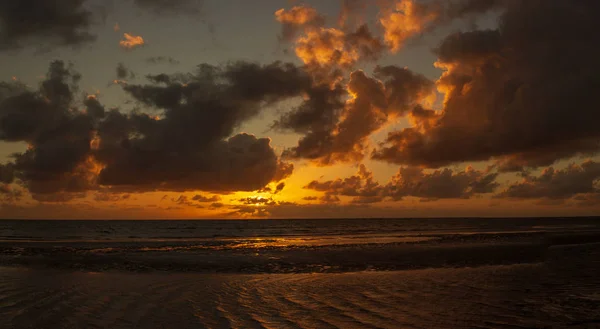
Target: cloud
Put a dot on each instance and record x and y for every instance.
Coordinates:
(350, 12)
(403, 20)
(406, 19)
(123, 72)
(8, 194)
(45, 23)
(331, 47)
(183, 200)
(110, 197)
(7, 174)
(190, 146)
(162, 60)
(131, 41)
(338, 115)
(279, 187)
(59, 137)
(258, 200)
(440, 184)
(329, 198)
(359, 186)
(241, 163)
(577, 182)
(408, 182)
(246, 211)
(187, 144)
(293, 210)
(205, 199)
(326, 50)
(337, 131)
(216, 205)
(521, 94)
(295, 20)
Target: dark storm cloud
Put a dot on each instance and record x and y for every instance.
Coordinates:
(45, 23)
(522, 94)
(189, 146)
(580, 182)
(242, 162)
(317, 114)
(186, 144)
(123, 72)
(25, 115)
(94, 108)
(440, 184)
(337, 131)
(58, 134)
(7, 174)
(410, 182)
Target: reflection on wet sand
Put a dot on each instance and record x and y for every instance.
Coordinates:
(561, 292)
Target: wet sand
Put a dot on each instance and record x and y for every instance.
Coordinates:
(561, 291)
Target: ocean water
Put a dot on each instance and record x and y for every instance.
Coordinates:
(405, 273)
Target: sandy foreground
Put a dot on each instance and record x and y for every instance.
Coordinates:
(561, 292)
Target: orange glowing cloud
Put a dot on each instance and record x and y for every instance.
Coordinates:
(296, 19)
(332, 47)
(95, 143)
(325, 46)
(298, 15)
(131, 41)
(406, 20)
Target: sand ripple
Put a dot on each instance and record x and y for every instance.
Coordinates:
(559, 293)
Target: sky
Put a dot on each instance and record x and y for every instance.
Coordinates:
(183, 109)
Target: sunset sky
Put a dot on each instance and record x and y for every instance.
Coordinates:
(290, 109)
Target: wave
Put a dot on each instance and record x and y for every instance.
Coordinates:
(294, 255)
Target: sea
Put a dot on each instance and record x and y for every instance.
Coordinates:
(317, 273)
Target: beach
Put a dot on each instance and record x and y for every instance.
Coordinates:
(536, 278)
